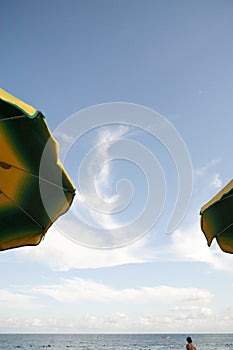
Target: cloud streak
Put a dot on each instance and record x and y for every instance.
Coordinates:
(61, 254)
(190, 245)
(76, 290)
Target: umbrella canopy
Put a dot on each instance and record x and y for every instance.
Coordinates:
(217, 218)
(24, 215)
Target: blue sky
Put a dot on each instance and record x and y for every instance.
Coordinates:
(175, 58)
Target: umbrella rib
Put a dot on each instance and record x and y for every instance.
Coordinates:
(226, 228)
(21, 208)
(8, 166)
(12, 118)
(222, 199)
(49, 182)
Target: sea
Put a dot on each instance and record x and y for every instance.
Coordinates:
(114, 341)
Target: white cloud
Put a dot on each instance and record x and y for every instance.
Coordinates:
(96, 201)
(76, 290)
(117, 322)
(203, 170)
(185, 244)
(202, 320)
(26, 324)
(62, 254)
(168, 308)
(192, 311)
(207, 180)
(190, 245)
(14, 300)
(63, 137)
(216, 182)
(99, 164)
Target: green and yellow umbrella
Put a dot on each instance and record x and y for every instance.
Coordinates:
(217, 219)
(24, 140)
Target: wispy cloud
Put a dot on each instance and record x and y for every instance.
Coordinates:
(62, 254)
(185, 244)
(207, 179)
(98, 204)
(76, 290)
(63, 137)
(96, 179)
(143, 309)
(185, 321)
(216, 182)
(15, 300)
(203, 170)
(190, 245)
(101, 159)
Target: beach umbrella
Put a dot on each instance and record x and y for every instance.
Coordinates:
(26, 215)
(217, 219)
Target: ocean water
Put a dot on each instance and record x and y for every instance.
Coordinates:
(114, 341)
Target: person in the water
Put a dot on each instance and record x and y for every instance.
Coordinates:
(190, 345)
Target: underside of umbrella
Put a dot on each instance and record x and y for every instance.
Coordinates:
(24, 215)
(217, 219)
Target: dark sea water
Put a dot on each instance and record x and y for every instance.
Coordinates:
(114, 341)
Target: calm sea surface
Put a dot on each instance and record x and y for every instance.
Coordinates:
(114, 341)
